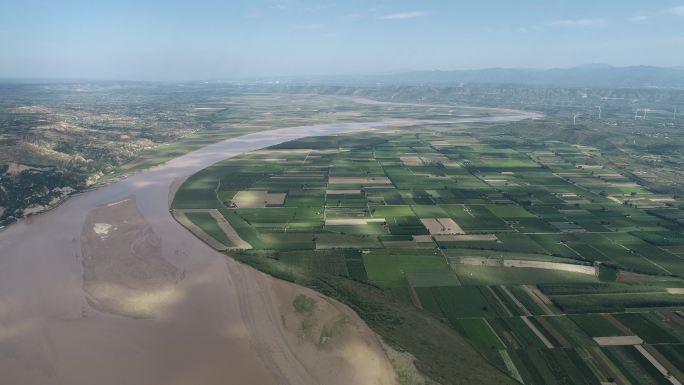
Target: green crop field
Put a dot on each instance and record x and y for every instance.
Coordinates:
(478, 331)
(520, 254)
(595, 325)
(389, 268)
(207, 223)
(650, 331)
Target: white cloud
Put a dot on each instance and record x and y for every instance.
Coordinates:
(313, 26)
(280, 5)
(674, 11)
(575, 23)
(252, 15)
(404, 15)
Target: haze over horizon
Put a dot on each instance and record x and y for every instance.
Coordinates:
(179, 40)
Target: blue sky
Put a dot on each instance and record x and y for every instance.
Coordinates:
(206, 39)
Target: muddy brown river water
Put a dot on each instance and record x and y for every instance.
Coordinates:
(88, 296)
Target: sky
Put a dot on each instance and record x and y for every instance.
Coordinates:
(207, 39)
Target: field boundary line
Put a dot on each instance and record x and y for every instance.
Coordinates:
(671, 368)
(614, 321)
(606, 365)
(553, 332)
(228, 229)
(536, 331)
(516, 301)
(543, 303)
(510, 365)
(197, 231)
(414, 297)
(657, 365)
(493, 331)
(500, 301)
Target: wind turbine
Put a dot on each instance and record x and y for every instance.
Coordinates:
(599, 109)
(674, 115)
(574, 118)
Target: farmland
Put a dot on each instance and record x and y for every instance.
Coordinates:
(59, 139)
(525, 252)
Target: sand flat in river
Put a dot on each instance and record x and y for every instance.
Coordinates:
(124, 271)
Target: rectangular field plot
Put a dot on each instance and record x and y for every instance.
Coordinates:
(556, 244)
(454, 302)
(478, 331)
(497, 163)
(618, 341)
(287, 241)
(515, 333)
(634, 366)
(616, 302)
(531, 304)
(649, 331)
(553, 366)
(388, 268)
(429, 211)
(494, 275)
(346, 241)
(441, 226)
(674, 353)
(257, 199)
(430, 279)
(207, 223)
(509, 211)
(359, 180)
(596, 325)
(532, 225)
(574, 335)
(198, 192)
(393, 211)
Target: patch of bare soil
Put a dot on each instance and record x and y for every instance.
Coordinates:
(337, 345)
(466, 238)
(581, 269)
(441, 226)
(411, 161)
(15, 168)
(257, 199)
(124, 271)
(405, 368)
(343, 192)
(618, 340)
(321, 340)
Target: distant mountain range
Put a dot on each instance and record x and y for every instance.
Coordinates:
(591, 75)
